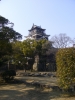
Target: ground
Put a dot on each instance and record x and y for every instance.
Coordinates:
(23, 91)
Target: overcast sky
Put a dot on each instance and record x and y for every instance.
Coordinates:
(56, 16)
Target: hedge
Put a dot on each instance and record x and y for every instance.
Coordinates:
(65, 61)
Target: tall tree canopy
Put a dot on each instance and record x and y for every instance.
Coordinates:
(31, 47)
(7, 35)
(7, 32)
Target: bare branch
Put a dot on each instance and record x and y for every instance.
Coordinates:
(61, 41)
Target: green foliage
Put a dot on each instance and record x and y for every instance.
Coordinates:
(7, 32)
(32, 47)
(65, 60)
(28, 48)
(7, 35)
(5, 51)
(5, 48)
(3, 20)
(18, 56)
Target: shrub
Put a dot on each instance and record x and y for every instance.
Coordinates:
(8, 75)
(65, 61)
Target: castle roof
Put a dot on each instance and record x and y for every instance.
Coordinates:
(36, 32)
(36, 27)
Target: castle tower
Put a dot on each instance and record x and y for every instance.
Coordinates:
(36, 33)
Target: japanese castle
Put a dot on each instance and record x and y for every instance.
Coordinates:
(36, 33)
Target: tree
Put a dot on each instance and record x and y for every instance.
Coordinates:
(7, 32)
(73, 42)
(5, 51)
(46, 46)
(17, 52)
(7, 35)
(18, 56)
(42, 46)
(65, 60)
(31, 48)
(61, 41)
(28, 48)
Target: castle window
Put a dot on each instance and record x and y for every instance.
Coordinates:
(34, 30)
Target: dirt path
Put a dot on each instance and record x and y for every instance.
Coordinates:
(24, 92)
(42, 80)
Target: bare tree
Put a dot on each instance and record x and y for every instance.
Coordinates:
(61, 41)
(73, 42)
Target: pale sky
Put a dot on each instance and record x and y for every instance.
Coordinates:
(56, 16)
